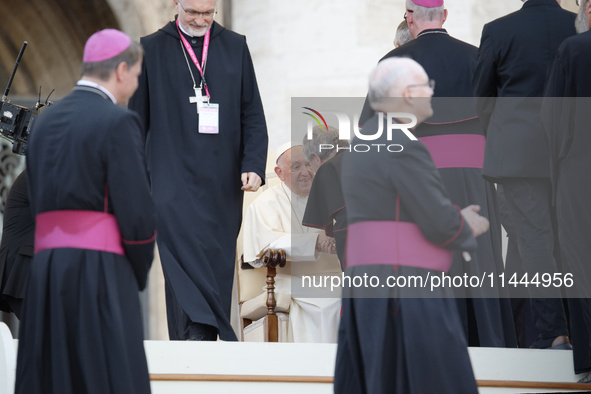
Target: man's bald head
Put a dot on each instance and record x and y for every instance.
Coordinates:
(391, 77)
(400, 85)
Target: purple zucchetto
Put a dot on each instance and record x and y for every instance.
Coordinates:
(105, 44)
(428, 3)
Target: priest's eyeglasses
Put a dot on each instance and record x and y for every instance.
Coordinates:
(430, 84)
(407, 12)
(196, 14)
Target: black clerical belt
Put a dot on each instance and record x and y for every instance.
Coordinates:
(77, 229)
(383, 242)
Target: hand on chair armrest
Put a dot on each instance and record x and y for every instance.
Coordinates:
(271, 258)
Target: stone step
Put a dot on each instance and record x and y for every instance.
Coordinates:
(179, 367)
(226, 367)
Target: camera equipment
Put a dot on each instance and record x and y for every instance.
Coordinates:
(16, 120)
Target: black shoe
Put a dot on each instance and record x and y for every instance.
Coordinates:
(586, 379)
(202, 332)
(561, 342)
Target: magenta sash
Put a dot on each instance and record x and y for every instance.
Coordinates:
(394, 243)
(456, 150)
(77, 229)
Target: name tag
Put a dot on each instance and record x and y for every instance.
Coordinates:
(209, 118)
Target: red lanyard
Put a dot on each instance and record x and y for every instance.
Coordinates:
(200, 67)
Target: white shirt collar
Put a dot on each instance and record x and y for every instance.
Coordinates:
(183, 30)
(84, 82)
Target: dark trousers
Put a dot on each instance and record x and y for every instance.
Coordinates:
(522, 313)
(529, 202)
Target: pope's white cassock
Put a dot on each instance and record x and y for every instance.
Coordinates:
(273, 221)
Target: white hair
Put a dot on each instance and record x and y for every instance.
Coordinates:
(425, 13)
(322, 137)
(388, 78)
(402, 34)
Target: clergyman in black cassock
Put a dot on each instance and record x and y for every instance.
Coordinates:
(567, 120)
(509, 80)
(326, 205)
(397, 210)
(195, 177)
(16, 249)
(455, 139)
(81, 330)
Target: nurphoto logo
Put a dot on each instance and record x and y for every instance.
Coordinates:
(345, 127)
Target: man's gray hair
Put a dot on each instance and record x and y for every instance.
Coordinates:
(425, 13)
(103, 70)
(387, 79)
(323, 137)
(581, 23)
(402, 34)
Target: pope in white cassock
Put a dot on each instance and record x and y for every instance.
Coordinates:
(274, 220)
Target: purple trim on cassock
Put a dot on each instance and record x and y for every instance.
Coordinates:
(78, 229)
(456, 150)
(394, 243)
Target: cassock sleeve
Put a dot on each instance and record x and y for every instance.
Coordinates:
(325, 200)
(424, 198)
(129, 193)
(252, 118)
(485, 78)
(264, 227)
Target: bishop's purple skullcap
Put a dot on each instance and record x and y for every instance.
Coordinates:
(105, 44)
(428, 3)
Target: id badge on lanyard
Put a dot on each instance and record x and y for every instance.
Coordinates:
(209, 116)
(208, 113)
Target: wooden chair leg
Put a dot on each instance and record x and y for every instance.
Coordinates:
(272, 334)
(272, 258)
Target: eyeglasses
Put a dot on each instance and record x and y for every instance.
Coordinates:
(430, 84)
(407, 12)
(195, 14)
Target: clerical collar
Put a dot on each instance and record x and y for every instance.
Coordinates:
(84, 82)
(432, 31)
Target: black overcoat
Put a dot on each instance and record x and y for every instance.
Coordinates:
(566, 118)
(16, 249)
(510, 76)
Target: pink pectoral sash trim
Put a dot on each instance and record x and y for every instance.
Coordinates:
(78, 229)
(456, 150)
(394, 243)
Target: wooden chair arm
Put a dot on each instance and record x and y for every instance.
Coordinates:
(271, 259)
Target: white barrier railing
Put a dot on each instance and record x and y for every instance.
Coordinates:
(7, 360)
